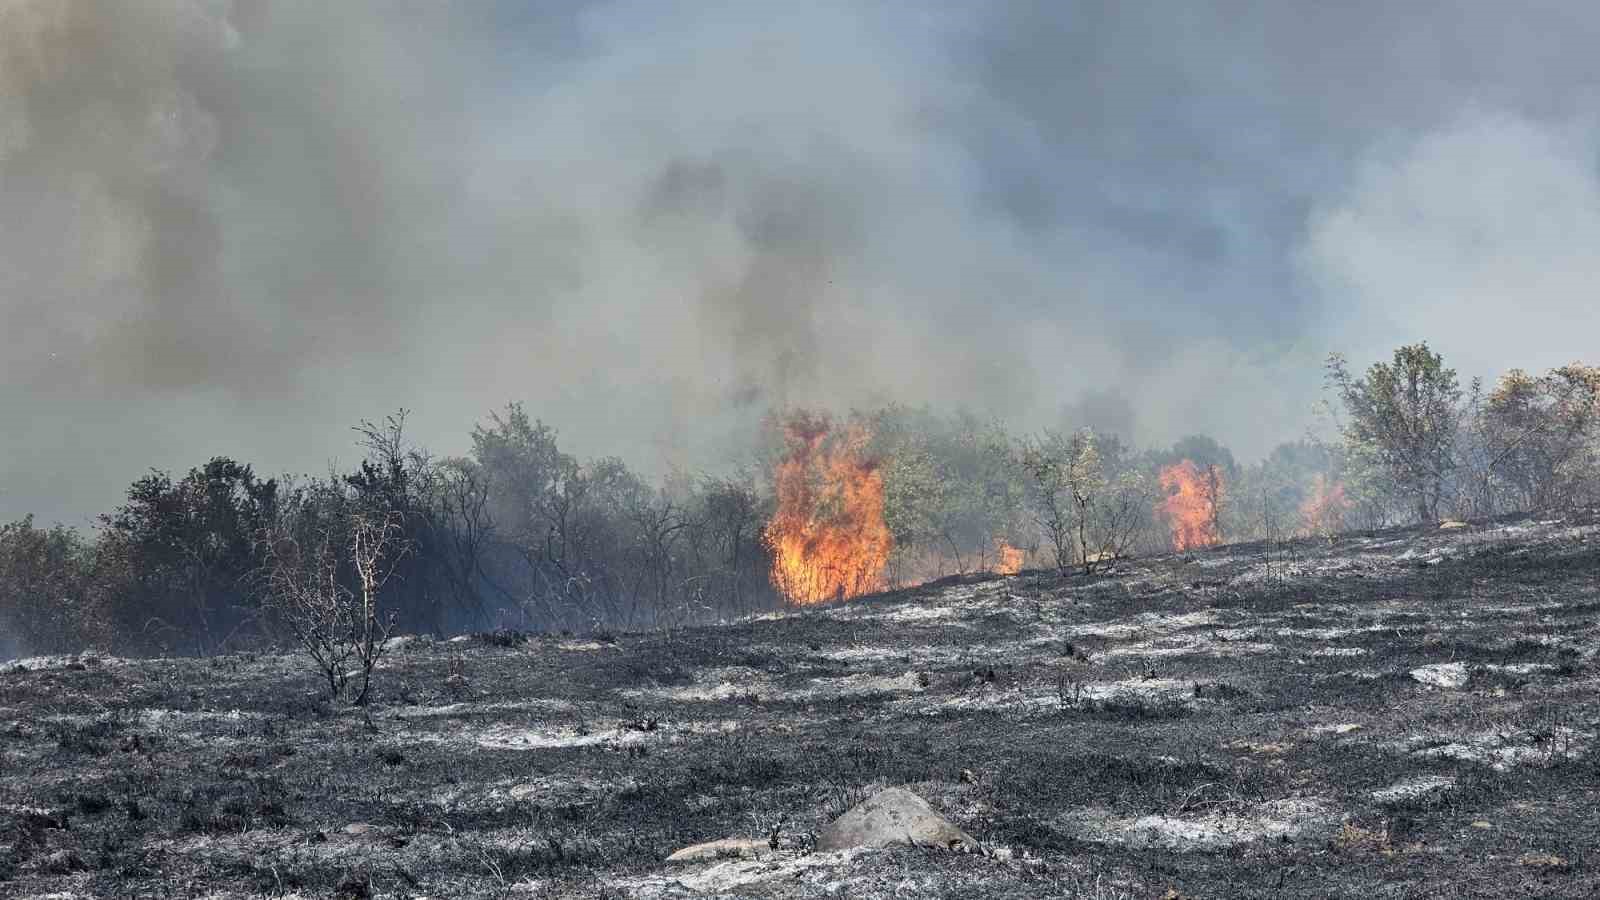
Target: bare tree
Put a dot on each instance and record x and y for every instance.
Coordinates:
(300, 576)
(337, 618)
(377, 545)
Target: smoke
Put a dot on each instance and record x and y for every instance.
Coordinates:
(236, 228)
(1479, 236)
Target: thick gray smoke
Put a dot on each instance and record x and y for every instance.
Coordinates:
(236, 228)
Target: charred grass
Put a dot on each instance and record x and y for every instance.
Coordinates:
(556, 766)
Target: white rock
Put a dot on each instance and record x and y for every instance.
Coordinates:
(893, 816)
(726, 848)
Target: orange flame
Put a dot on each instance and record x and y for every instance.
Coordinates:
(827, 536)
(1010, 559)
(1324, 509)
(1191, 505)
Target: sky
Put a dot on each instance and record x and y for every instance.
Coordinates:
(238, 228)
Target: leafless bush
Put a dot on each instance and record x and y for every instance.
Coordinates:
(325, 581)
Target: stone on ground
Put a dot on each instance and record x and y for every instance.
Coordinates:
(727, 848)
(893, 816)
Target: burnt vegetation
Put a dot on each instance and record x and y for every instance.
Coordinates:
(1183, 723)
(1364, 664)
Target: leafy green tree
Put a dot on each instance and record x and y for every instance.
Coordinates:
(1402, 417)
(177, 556)
(1541, 434)
(1089, 512)
(47, 601)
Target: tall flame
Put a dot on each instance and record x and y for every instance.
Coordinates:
(1010, 559)
(827, 535)
(1323, 512)
(1193, 497)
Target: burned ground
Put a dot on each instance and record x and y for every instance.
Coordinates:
(1405, 714)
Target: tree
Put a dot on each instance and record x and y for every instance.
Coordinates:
(1089, 515)
(1540, 434)
(323, 573)
(1402, 417)
(176, 554)
(730, 517)
(47, 604)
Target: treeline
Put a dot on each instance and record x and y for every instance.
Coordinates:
(520, 534)
(1401, 443)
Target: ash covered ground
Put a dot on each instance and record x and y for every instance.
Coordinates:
(1404, 714)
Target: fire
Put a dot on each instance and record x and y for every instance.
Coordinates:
(827, 536)
(1323, 511)
(1193, 496)
(1009, 561)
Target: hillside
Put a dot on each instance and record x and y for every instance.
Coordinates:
(1405, 714)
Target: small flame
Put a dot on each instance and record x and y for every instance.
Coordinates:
(1322, 513)
(1193, 496)
(1009, 561)
(828, 537)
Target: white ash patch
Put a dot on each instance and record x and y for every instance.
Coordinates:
(59, 662)
(824, 872)
(1442, 675)
(912, 612)
(854, 685)
(1155, 623)
(1325, 634)
(1505, 749)
(727, 690)
(1430, 556)
(1144, 688)
(1218, 830)
(1358, 674)
(541, 706)
(1130, 690)
(609, 734)
(159, 717)
(575, 646)
(991, 697)
(1260, 573)
(557, 789)
(1414, 788)
(1337, 728)
(406, 641)
(1217, 562)
(569, 790)
(730, 685)
(1381, 544)
(716, 683)
(1340, 651)
(1520, 668)
(1189, 645)
(886, 655)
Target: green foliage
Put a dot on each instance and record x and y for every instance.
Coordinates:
(1090, 507)
(47, 599)
(521, 534)
(1541, 437)
(1402, 419)
(176, 556)
(951, 492)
